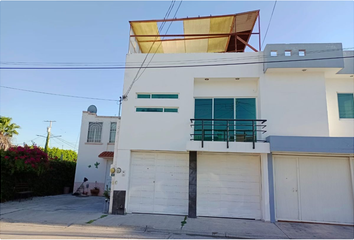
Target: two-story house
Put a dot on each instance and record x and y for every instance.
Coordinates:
(96, 150)
(212, 130)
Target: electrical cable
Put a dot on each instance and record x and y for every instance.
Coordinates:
(57, 94)
(134, 81)
(270, 20)
(160, 29)
(176, 61)
(172, 66)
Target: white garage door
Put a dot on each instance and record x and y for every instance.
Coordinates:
(159, 183)
(228, 185)
(313, 189)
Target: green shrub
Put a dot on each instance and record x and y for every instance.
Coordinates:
(31, 165)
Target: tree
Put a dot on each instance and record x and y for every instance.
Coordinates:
(7, 130)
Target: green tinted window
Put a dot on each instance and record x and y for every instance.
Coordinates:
(245, 109)
(143, 95)
(203, 110)
(346, 105)
(223, 109)
(149, 109)
(172, 96)
(171, 110)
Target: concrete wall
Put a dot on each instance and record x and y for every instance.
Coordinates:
(313, 51)
(348, 63)
(88, 152)
(338, 127)
(294, 104)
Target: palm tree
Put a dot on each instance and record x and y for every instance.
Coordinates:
(7, 130)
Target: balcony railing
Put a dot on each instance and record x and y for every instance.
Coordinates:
(228, 130)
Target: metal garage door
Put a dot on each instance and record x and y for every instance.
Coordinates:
(313, 189)
(228, 185)
(159, 183)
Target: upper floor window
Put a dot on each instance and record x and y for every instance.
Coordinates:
(302, 53)
(161, 96)
(112, 132)
(287, 53)
(94, 132)
(346, 105)
(273, 53)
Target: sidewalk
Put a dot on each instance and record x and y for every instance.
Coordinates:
(69, 212)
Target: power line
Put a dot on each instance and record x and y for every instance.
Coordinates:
(160, 29)
(270, 20)
(130, 87)
(168, 66)
(58, 94)
(176, 61)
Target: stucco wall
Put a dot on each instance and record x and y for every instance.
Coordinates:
(294, 104)
(88, 152)
(338, 127)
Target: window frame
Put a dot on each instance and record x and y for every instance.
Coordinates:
(302, 50)
(235, 117)
(97, 131)
(111, 132)
(339, 115)
(274, 51)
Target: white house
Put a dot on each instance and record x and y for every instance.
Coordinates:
(96, 150)
(212, 130)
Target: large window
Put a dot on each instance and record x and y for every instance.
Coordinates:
(112, 132)
(224, 108)
(346, 105)
(94, 132)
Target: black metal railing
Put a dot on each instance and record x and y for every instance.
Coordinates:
(227, 130)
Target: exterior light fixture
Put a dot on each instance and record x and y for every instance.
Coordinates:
(304, 70)
(206, 79)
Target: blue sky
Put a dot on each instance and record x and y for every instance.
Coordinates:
(97, 32)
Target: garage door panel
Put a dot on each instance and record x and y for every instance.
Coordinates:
(314, 189)
(159, 180)
(228, 186)
(326, 193)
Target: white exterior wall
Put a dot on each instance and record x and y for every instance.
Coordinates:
(294, 103)
(338, 127)
(88, 152)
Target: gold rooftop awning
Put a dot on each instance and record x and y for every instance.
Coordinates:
(226, 33)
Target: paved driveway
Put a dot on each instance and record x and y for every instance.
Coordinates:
(68, 213)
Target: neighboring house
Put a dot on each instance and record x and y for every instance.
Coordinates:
(249, 139)
(97, 139)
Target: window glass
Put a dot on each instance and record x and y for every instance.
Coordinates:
(174, 96)
(273, 53)
(223, 109)
(346, 105)
(287, 53)
(143, 95)
(94, 132)
(302, 53)
(112, 133)
(149, 109)
(245, 109)
(203, 110)
(171, 110)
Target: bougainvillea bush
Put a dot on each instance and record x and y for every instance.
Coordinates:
(31, 165)
(26, 159)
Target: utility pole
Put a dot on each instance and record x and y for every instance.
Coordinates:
(48, 135)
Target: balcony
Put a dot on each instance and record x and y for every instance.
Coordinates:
(237, 133)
